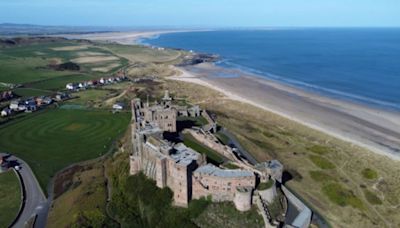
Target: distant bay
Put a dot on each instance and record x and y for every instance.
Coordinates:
(358, 64)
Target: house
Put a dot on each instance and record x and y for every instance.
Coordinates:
(30, 107)
(6, 112)
(15, 104)
(62, 96)
(71, 86)
(47, 100)
(118, 106)
(102, 81)
(6, 95)
(39, 100)
(21, 107)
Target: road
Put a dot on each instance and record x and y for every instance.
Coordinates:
(35, 202)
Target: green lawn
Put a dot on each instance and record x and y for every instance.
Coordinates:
(54, 139)
(10, 197)
(29, 63)
(31, 92)
(213, 156)
(89, 96)
(60, 82)
(223, 138)
(198, 121)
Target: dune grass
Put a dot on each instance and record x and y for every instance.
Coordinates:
(342, 196)
(369, 174)
(321, 162)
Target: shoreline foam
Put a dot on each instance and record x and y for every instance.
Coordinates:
(358, 124)
(376, 130)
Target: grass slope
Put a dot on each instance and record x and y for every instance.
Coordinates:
(54, 139)
(10, 197)
(212, 155)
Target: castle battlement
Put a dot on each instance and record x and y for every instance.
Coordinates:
(179, 167)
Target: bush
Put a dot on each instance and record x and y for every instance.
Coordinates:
(138, 202)
(321, 162)
(369, 174)
(372, 198)
(342, 196)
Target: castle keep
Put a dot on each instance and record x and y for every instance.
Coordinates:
(186, 171)
(176, 166)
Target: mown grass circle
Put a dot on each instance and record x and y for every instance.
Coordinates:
(54, 139)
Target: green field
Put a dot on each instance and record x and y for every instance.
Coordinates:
(10, 197)
(31, 92)
(51, 140)
(29, 65)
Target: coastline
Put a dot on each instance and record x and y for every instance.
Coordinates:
(126, 38)
(374, 129)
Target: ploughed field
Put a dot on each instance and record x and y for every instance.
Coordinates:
(10, 197)
(51, 140)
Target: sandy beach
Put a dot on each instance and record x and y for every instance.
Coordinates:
(376, 130)
(122, 37)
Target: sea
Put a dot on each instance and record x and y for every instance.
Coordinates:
(355, 64)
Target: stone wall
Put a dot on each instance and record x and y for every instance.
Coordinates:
(303, 219)
(219, 188)
(212, 142)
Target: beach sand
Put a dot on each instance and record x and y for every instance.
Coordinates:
(376, 130)
(121, 37)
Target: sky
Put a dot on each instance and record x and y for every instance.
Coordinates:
(203, 13)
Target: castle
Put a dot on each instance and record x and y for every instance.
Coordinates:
(182, 169)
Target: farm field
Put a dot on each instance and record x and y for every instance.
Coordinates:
(53, 139)
(30, 64)
(10, 197)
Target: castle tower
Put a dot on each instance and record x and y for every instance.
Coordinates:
(268, 194)
(166, 99)
(242, 199)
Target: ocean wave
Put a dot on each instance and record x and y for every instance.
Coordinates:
(226, 63)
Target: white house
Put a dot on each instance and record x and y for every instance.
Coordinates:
(118, 106)
(14, 104)
(6, 112)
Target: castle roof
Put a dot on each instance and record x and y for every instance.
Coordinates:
(213, 170)
(184, 155)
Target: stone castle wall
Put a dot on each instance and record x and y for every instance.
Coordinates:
(212, 142)
(219, 188)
